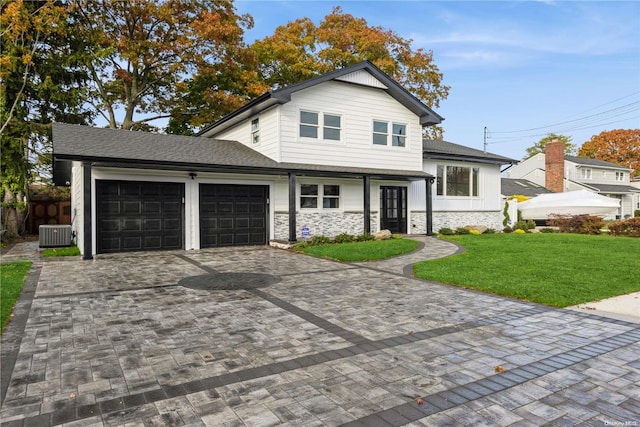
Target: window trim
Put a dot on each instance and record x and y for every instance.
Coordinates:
(586, 173)
(389, 134)
(475, 187)
(255, 131)
(320, 197)
(321, 126)
(619, 176)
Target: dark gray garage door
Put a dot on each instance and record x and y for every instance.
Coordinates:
(139, 216)
(233, 215)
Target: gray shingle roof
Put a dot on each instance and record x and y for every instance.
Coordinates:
(283, 95)
(612, 188)
(593, 162)
(122, 148)
(511, 186)
(436, 149)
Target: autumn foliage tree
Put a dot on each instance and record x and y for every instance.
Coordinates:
(301, 50)
(140, 52)
(620, 146)
(539, 147)
(39, 82)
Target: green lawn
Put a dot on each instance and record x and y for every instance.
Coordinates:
(553, 269)
(363, 251)
(12, 276)
(57, 252)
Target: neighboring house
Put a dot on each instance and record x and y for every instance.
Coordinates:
(467, 190)
(559, 173)
(333, 154)
(524, 187)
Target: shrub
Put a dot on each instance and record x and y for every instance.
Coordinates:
(462, 230)
(636, 213)
(531, 224)
(547, 230)
(520, 231)
(505, 213)
(581, 224)
(344, 238)
(446, 232)
(507, 230)
(489, 231)
(522, 225)
(319, 240)
(628, 227)
(364, 237)
(475, 232)
(300, 246)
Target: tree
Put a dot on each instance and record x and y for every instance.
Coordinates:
(301, 50)
(620, 146)
(38, 83)
(140, 52)
(539, 147)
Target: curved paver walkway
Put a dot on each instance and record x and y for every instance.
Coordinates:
(118, 341)
(430, 248)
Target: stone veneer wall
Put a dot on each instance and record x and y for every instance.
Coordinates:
(454, 219)
(328, 224)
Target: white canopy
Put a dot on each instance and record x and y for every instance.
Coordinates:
(569, 203)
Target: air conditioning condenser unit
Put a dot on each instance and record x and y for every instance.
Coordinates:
(52, 236)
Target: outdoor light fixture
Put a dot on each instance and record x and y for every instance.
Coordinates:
(193, 175)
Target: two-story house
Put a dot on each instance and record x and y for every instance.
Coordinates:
(333, 154)
(559, 173)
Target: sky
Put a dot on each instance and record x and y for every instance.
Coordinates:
(522, 69)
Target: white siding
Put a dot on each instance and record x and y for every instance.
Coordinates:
(77, 204)
(358, 106)
(489, 191)
(269, 137)
(362, 77)
(526, 167)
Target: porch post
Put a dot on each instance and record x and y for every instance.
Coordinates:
(367, 204)
(292, 207)
(87, 231)
(428, 182)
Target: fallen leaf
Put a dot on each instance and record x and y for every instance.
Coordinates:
(499, 369)
(419, 401)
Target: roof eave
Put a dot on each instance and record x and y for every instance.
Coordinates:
(445, 156)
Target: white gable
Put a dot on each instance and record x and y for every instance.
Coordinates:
(362, 77)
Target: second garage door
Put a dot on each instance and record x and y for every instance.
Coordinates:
(233, 215)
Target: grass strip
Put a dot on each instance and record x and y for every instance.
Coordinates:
(559, 270)
(363, 251)
(57, 252)
(12, 278)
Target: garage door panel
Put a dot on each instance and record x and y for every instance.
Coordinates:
(227, 215)
(130, 207)
(134, 216)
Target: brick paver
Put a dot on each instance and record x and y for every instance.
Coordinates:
(119, 341)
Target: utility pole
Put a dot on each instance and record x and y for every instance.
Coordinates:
(485, 140)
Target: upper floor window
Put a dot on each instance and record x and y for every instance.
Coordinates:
(318, 196)
(311, 123)
(585, 173)
(458, 181)
(255, 131)
(620, 176)
(389, 134)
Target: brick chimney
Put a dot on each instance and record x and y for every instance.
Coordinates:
(554, 166)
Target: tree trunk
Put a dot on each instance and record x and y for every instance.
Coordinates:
(10, 221)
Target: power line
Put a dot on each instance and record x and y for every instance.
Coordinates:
(630, 107)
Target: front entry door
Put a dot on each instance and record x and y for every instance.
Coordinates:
(393, 209)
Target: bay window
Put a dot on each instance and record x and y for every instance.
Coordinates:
(457, 181)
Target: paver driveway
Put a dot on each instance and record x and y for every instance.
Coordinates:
(261, 336)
